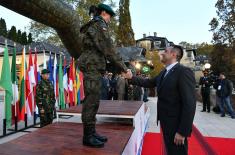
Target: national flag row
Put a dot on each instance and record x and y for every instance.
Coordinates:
(67, 81)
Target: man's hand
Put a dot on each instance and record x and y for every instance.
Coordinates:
(179, 139)
(128, 75)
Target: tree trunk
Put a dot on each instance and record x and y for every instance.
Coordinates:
(53, 13)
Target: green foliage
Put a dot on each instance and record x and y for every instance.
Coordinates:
(42, 32)
(125, 31)
(30, 39)
(19, 36)
(204, 49)
(24, 40)
(12, 35)
(222, 59)
(154, 57)
(3, 28)
(223, 27)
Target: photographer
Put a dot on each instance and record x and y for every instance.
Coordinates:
(224, 91)
(205, 83)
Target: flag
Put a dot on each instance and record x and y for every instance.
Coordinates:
(14, 81)
(37, 78)
(65, 81)
(36, 68)
(61, 87)
(55, 80)
(44, 60)
(82, 94)
(50, 69)
(70, 84)
(22, 88)
(6, 84)
(78, 84)
(30, 83)
(74, 84)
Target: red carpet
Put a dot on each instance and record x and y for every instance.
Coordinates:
(152, 144)
(221, 146)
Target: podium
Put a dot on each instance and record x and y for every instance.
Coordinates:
(66, 137)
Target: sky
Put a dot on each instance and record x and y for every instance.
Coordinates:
(177, 20)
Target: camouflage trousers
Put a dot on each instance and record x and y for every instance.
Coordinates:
(91, 102)
(46, 118)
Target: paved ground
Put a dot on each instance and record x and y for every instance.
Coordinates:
(210, 124)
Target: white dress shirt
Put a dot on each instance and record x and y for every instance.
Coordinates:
(169, 67)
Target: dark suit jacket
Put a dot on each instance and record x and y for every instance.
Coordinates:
(176, 99)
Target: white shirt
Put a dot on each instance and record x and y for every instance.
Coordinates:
(169, 67)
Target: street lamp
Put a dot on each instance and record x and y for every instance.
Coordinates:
(137, 66)
(207, 66)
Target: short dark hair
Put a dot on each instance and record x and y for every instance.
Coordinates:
(179, 51)
(222, 73)
(94, 10)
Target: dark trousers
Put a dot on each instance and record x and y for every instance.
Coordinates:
(169, 127)
(90, 105)
(173, 149)
(46, 118)
(206, 99)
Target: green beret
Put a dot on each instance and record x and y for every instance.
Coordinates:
(45, 71)
(106, 8)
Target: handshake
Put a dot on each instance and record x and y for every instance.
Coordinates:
(128, 74)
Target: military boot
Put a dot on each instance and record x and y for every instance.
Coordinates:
(90, 140)
(99, 137)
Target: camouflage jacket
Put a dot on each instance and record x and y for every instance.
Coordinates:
(97, 47)
(45, 96)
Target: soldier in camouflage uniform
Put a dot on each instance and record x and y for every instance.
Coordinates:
(45, 99)
(97, 47)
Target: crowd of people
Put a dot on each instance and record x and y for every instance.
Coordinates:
(116, 87)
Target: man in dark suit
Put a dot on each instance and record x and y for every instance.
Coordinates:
(176, 99)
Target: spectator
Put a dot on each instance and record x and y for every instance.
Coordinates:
(120, 87)
(224, 91)
(105, 86)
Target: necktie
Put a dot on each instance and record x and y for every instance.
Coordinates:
(163, 75)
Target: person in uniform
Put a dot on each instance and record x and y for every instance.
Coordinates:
(45, 99)
(131, 89)
(97, 47)
(205, 83)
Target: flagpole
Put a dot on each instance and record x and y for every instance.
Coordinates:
(14, 97)
(4, 108)
(59, 86)
(25, 110)
(35, 106)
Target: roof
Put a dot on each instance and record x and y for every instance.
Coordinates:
(128, 53)
(163, 41)
(40, 46)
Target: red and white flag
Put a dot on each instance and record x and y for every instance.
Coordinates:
(30, 83)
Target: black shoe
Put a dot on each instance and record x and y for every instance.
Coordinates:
(233, 117)
(100, 138)
(92, 142)
(208, 111)
(203, 110)
(223, 115)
